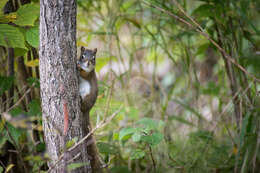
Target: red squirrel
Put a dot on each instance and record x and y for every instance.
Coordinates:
(88, 89)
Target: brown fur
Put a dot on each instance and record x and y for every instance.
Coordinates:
(86, 105)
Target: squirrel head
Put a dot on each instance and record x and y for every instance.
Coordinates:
(87, 59)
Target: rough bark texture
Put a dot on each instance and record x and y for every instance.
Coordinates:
(59, 82)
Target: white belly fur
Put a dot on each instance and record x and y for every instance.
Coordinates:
(84, 87)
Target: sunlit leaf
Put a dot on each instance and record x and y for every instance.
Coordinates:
(9, 167)
(2, 4)
(11, 36)
(116, 136)
(27, 14)
(153, 139)
(151, 124)
(137, 136)
(32, 63)
(71, 142)
(32, 36)
(6, 18)
(125, 132)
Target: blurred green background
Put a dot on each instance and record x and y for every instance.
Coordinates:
(185, 106)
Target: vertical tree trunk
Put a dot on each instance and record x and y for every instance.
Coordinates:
(59, 82)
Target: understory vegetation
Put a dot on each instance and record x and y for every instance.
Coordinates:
(183, 78)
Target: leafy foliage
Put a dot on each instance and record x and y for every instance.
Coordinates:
(11, 36)
(185, 107)
(27, 14)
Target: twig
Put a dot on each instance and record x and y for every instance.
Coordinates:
(199, 29)
(100, 125)
(220, 117)
(151, 153)
(18, 102)
(9, 134)
(7, 101)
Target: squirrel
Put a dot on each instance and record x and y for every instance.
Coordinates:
(88, 89)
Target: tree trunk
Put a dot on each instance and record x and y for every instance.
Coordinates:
(59, 84)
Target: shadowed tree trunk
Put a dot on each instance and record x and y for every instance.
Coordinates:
(59, 84)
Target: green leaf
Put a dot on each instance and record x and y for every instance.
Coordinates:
(33, 81)
(204, 10)
(74, 166)
(40, 147)
(20, 52)
(126, 132)
(5, 83)
(9, 167)
(17, 111)
(116, 136)
(11, 36)
(151, 124)
(34, 107)
(15, 133)
(107, 148)
(2, 5)
(137, 136)
(202, 48)
(6, 18)
(133, 21)
(1, 169)
(153, 139)
(71, 142)
(137, 154)
(34, 158)
(32, 63)
(32, 36)
(2, 142)
(27, 14)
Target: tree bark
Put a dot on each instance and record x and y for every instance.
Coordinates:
(59, 84)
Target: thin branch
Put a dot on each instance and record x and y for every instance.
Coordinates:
(18, 102)
(7, 101)
(151, 153)
(199, 29)
(98, 126)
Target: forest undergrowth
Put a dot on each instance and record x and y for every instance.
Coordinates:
(182, 76)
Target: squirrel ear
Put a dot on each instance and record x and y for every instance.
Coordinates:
(95, 50)
(82, 49)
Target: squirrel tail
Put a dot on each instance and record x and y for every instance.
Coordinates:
(92, 150)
